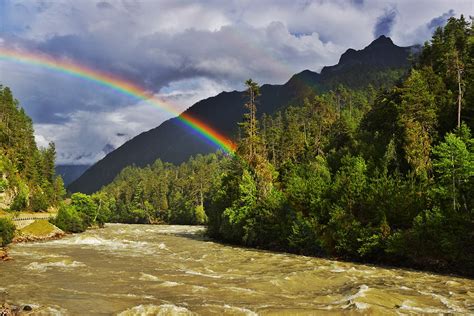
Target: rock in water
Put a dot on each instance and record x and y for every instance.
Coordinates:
(8, 310)
(4, 256)
(27, 308)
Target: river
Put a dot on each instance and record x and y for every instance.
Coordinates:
(169, 270)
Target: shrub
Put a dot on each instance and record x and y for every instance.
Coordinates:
(138, 216)
(69, 220)
(20, 201)
(38, 201)
(7, 230)
(201, 217)
(84, 205)
(3, 185)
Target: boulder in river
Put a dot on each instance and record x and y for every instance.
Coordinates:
(4, 255)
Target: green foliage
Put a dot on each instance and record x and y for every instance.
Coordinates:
(3, 185)
(84, 211)
(27, 173)
(454, 165)
(200, 215)
(70, 220)
(7, 231)
(138, 216)
(103, 206)
(417, 117)
(39, 200)
(85, 205)
(304, 236)
(20, 201)
(163, 192)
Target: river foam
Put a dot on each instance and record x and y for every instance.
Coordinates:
(158, 310)
(43, 267)
(109, 244)
(143, 269)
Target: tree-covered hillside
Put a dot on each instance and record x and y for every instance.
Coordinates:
(27, 176)
(381, 176)
(389, 178)
(380, 65)
(165, 193)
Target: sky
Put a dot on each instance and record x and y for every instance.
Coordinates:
(182, 51)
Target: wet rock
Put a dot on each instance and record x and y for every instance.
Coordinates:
(8, 310)
(27, 308)
(4, 255)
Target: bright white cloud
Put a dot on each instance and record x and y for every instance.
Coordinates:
(84, 136)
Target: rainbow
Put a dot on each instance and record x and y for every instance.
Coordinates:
(120, 85)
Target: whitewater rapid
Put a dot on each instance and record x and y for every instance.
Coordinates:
(175, 270)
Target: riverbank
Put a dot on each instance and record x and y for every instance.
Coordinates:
(38, 230)
(4, 255)
(7, 309)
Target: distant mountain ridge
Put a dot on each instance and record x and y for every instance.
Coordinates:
(69, 173)
(173, 142)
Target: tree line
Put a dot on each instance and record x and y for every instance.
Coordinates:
(27, 176)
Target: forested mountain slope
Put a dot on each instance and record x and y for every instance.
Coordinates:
(69, 173)
(379, 64)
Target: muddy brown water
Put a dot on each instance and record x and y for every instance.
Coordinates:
(173, 270)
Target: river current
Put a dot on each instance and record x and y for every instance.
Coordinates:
(173, 270)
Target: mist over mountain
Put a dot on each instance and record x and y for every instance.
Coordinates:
(379, 64)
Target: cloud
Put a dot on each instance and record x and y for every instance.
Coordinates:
(104, 5)
(385, 22)
(182, 51)
(440, 20)
(227, 56)
(95, 131)
(424, 31)
(184, 93)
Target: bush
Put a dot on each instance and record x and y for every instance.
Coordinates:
(201, 217)
(70, 220)
(20, 201)
(138, 216)
(3, 185)
(7, 231)
(84, 205)
(39, 201)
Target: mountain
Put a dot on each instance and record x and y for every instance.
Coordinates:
(380, 64)
(69, 173)
(108, 148)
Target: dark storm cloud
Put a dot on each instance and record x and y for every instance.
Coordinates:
(104, 5)
(426, 29)
(440, 20)
(385, 22)
(358, 2)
